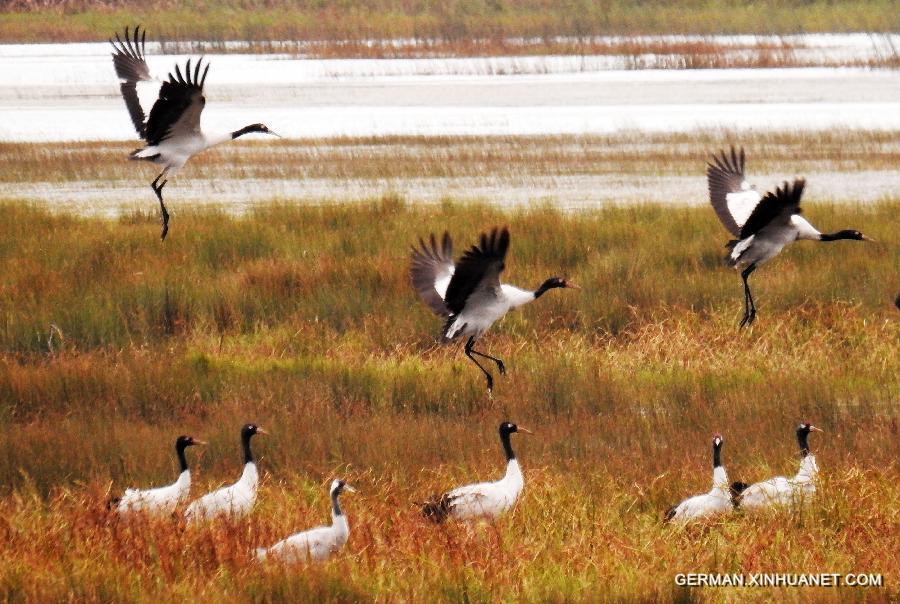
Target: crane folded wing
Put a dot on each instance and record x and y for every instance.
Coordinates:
(478, 269)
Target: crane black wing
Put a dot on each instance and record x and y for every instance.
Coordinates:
(480, 267)
(775, 206)
(431, 270)
(181, 100)
(131, 67)
(725, 177)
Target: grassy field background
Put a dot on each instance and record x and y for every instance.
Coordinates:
(300, 318)
(461, 27)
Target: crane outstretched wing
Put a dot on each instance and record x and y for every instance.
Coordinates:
(775, 207)
(730, 194)
(431, 270)
(478, 269)
(181, 101)
(131, 67)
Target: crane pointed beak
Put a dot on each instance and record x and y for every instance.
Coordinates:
(261, 431)
(868, 239)
(571, 285)
(274, 134)
(816, 429)
(347, 487)
(200, 442)
(524, 430)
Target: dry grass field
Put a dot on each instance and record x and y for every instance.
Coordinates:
(300, 318)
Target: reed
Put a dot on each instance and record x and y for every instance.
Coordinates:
(379, 28)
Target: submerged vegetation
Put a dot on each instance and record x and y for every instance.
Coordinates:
(300, 318)
(628, 154)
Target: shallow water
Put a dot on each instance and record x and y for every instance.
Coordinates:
(111, 198)
(70, 92)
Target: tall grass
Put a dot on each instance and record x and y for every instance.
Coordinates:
(301, 319)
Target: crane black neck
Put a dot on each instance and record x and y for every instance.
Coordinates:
(247, 130)
(248, 454)
(803, 440)
(507, 446)
(182, 460)
(551, 283)
(336, 504)
(845, 234)
(717, 454)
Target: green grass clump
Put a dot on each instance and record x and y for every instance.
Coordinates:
(301, 319)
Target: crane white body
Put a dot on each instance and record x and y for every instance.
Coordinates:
(716, 501)
(161, 500)
(782, 491)
(486, 307)
(234, 501)
(158, 501)
(488, 500)
(316, 544)
(761, 247)
(175, 151)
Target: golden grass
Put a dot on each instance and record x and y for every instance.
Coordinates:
(300, 318)
(594, 539)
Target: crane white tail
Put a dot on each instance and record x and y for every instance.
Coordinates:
(145, 154)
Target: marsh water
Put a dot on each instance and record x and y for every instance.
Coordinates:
(69, 92)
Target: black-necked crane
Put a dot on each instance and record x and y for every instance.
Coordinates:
(469, 293)
(316, 544)
(172, 131)
(161, 500)
(783, 491)
(763, 224)
(717, 501)
(236, 500)
(486, 500)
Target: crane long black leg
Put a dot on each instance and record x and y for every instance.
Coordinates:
(746, 304)
(500, 366)
(487, 374)
(162, 206)
(749, 305)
